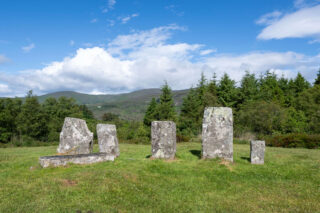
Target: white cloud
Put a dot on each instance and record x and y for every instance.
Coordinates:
(110, 6)
(144, 59)
(208, 51)
(124, 20)
(305, 3)
(299, 24)
(72, 43)
(28, 48)
(269, 18)
(3, 59)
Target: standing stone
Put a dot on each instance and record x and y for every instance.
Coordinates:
(75, 137)
(217, 133)
(257, 149)
(107, 139)
(163, 136)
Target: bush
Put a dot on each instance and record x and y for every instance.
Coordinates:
(294, 141)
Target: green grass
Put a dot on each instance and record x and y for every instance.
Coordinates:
(288, 182)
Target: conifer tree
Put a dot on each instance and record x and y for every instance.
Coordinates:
(317, 81)
(32, 121)
(150, 113)
(227, 91)
(249, 87)
(189, 116)
(165, 109)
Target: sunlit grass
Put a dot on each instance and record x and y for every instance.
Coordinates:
(288, 182)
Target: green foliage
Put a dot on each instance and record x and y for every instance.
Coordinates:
(261, 117)
(317, 81)
(109, 116)
(151, 113)
(32, 120)
(165, 109)
(294, 141)
(227, 92)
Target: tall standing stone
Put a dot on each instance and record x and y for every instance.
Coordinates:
(107, 139)
(217, 133)
(75, 137)
(257, 149)
(163, 139)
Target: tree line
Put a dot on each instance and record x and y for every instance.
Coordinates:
(264, 105)
(29, 120)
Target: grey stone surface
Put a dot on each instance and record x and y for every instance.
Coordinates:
(217, 133)
(257, 149)
(75, 137)
(107, 139)
(62, 160)
(163, 139)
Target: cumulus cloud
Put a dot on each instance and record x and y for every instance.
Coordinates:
(3, 59)
(28, 48)
(299, 24)
(144, 59)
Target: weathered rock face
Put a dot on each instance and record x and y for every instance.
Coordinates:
(257, 149)
(75, 137)
(107, 139)
(62, 160)
(217, 133)
(163, 136)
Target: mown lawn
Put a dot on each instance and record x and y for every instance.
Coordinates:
(288, 182)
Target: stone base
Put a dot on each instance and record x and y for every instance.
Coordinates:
(62, 160)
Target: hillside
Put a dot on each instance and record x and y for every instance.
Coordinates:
(130, 106)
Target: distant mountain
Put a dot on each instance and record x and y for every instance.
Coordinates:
(130, 106)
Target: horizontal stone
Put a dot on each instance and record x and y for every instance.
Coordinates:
(62, 160)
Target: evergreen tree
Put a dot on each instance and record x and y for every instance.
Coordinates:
(32, 121)
(211, 93)
(270, 89)
(150, 114)
(227, 91)
(248, 88)
(190, 121)
(300, 84)
(165, 109)
(317, 81)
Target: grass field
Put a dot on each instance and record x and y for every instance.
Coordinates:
(288, 182)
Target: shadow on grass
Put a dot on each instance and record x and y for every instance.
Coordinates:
(148, 156)
(196, 153)
(245, 158)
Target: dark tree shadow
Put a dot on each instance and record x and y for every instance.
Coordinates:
(148, 156)
(246, 158)
(196, 153)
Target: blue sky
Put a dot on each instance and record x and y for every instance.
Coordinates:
(113, 46)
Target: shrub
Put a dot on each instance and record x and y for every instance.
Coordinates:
(294, 141)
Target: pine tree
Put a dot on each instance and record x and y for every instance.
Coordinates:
(317, 81)
(165, 108)
(190, 121)
(300, 84)
(211, 95)
(249, 87)
(150, 114)
(32, 121)
(227, 91)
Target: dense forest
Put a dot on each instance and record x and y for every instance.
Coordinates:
(263, 106)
